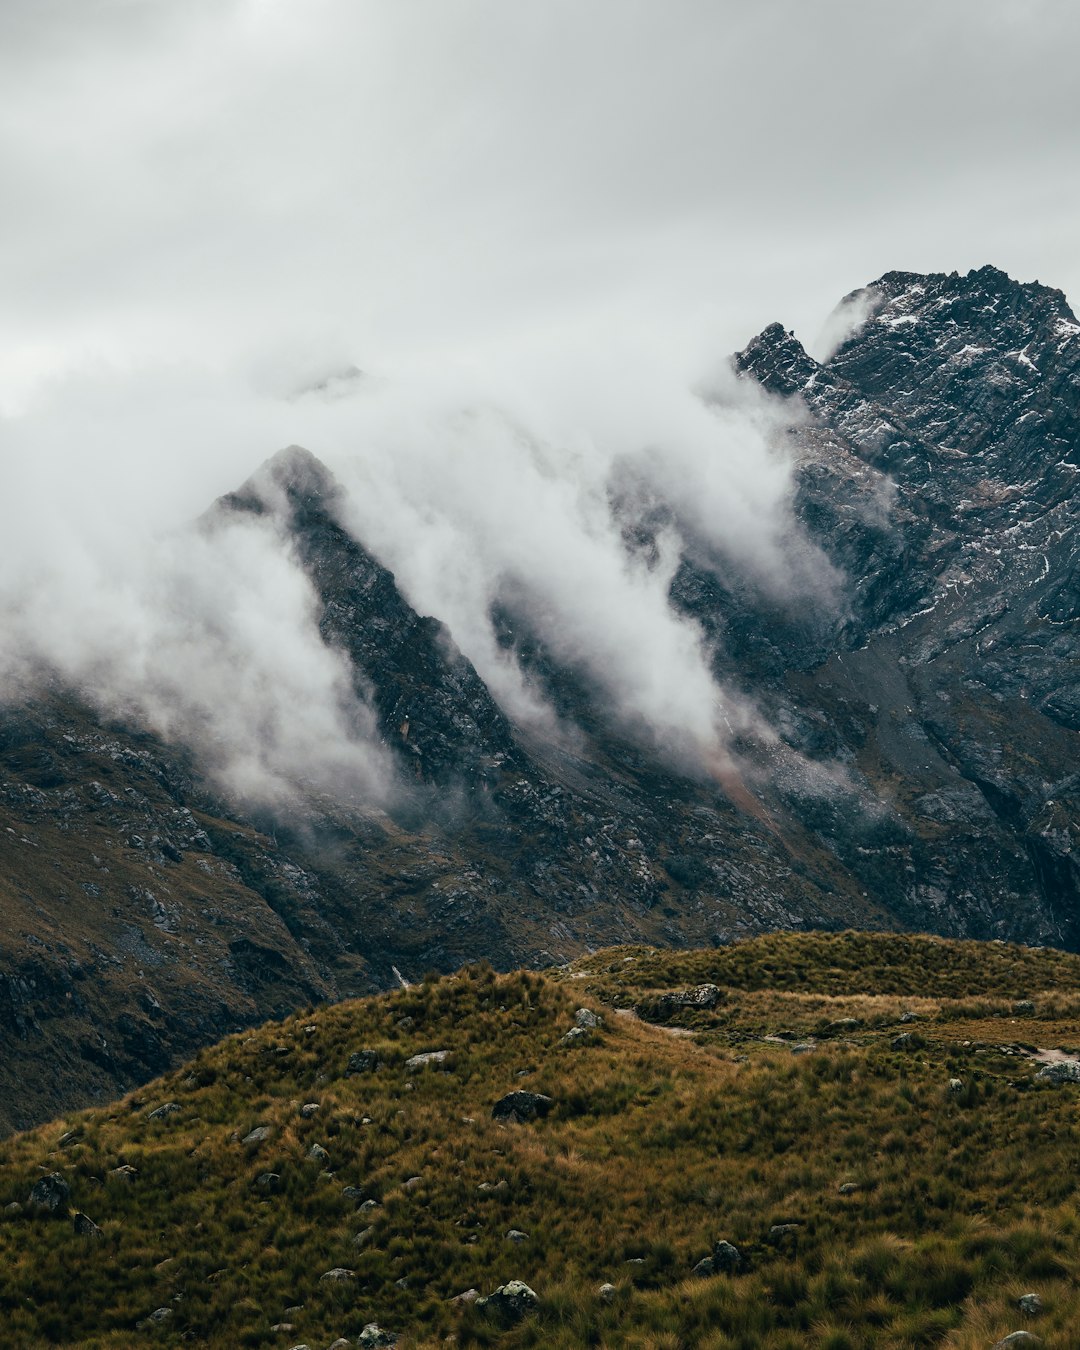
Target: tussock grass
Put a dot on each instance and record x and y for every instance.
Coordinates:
(657, 1146)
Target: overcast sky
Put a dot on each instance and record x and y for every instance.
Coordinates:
(253, 181)
(535, 225)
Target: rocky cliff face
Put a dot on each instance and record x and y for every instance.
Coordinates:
(926, 773)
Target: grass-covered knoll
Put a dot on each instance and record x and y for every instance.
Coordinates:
(956, 1200)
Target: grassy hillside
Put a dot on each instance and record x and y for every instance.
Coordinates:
(873, 1202)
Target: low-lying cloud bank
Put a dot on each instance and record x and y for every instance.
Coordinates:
(471, 484)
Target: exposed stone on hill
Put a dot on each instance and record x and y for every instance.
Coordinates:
(726, 1256)
(520, 1107)
(511, 1301)
(362, 1061)
(258, 1135)
(1030, 1304)
(163, 1111)
(1017, 1339)
(50, 1194)
(85, 1227)
(1060, 1071)
(374, 1336)
(338, 1275)
(316, 1153)
(587, 1019)
(428, 1059)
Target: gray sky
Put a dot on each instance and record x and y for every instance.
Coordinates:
(536, 226)
(229, 181)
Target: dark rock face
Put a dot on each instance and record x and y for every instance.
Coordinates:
(938, 472)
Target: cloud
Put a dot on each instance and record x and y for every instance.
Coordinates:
(535, 230)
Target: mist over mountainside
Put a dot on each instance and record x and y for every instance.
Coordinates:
(811, 663)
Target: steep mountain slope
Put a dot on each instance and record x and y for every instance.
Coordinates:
(925, 776)
(838, 1141)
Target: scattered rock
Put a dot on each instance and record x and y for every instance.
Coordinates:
(1015, 1339)
(466, 1296)
(662, 1007)
(373, 1336)
(364, 1238)
(50, 1194)
(166, 1109)
(494, 1187)
(956, 1086)
(353, 1193)
(576, 1036)
(1023, 1005)
(339, 1275)
(726, 1257)
(86, 1227)
(519, 1107)
(1030, 1304)
(66, 1140)
(511, 1301)
(848, 1187)
(516, 1235)
(368, 1207)
(1061, 1071)
(283, 1327)
(428, 1059)
(158, 1316)
(340, 1344)
(705, 1268)
(259, 1135)
(362, 1061)
(780, 1230)
(907, 1040)
(909, 1017)
(13, 1208)
(317, 1154)
(803, 1047)
(587, 1019)
(844, 1024)
(270, 1182)
(125, 1173)
(309, 1109)
(607, 1292)
(411, 1183)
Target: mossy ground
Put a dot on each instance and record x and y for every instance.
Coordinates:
(658, 1145)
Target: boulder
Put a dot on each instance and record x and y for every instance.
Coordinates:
(125, 1173)
(362, 1061)
(516, 1235)
(166, 1109)
(726, 1257)
(1029, 1304)
(373, 1336)
(86, 1227)
(50, 1194)
(466, 1296)
(339, 1275)
(956, 1087)
(317, 1154)
(309, 1109)
(270, 1182)
(1015, 1340)
(704, 1268)
(259, 1135)
(519, 1107)
(511, 1301)
(607, 1292)
(1062, 1071)
(576, 1036)
(848, 1187)
(587, 1019)
(428, 1060)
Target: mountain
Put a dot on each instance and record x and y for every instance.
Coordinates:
(800, 1140)
(923, 774)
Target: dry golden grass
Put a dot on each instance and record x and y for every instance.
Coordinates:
(657, 1146)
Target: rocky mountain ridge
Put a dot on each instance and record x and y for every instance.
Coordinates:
(925, 774)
